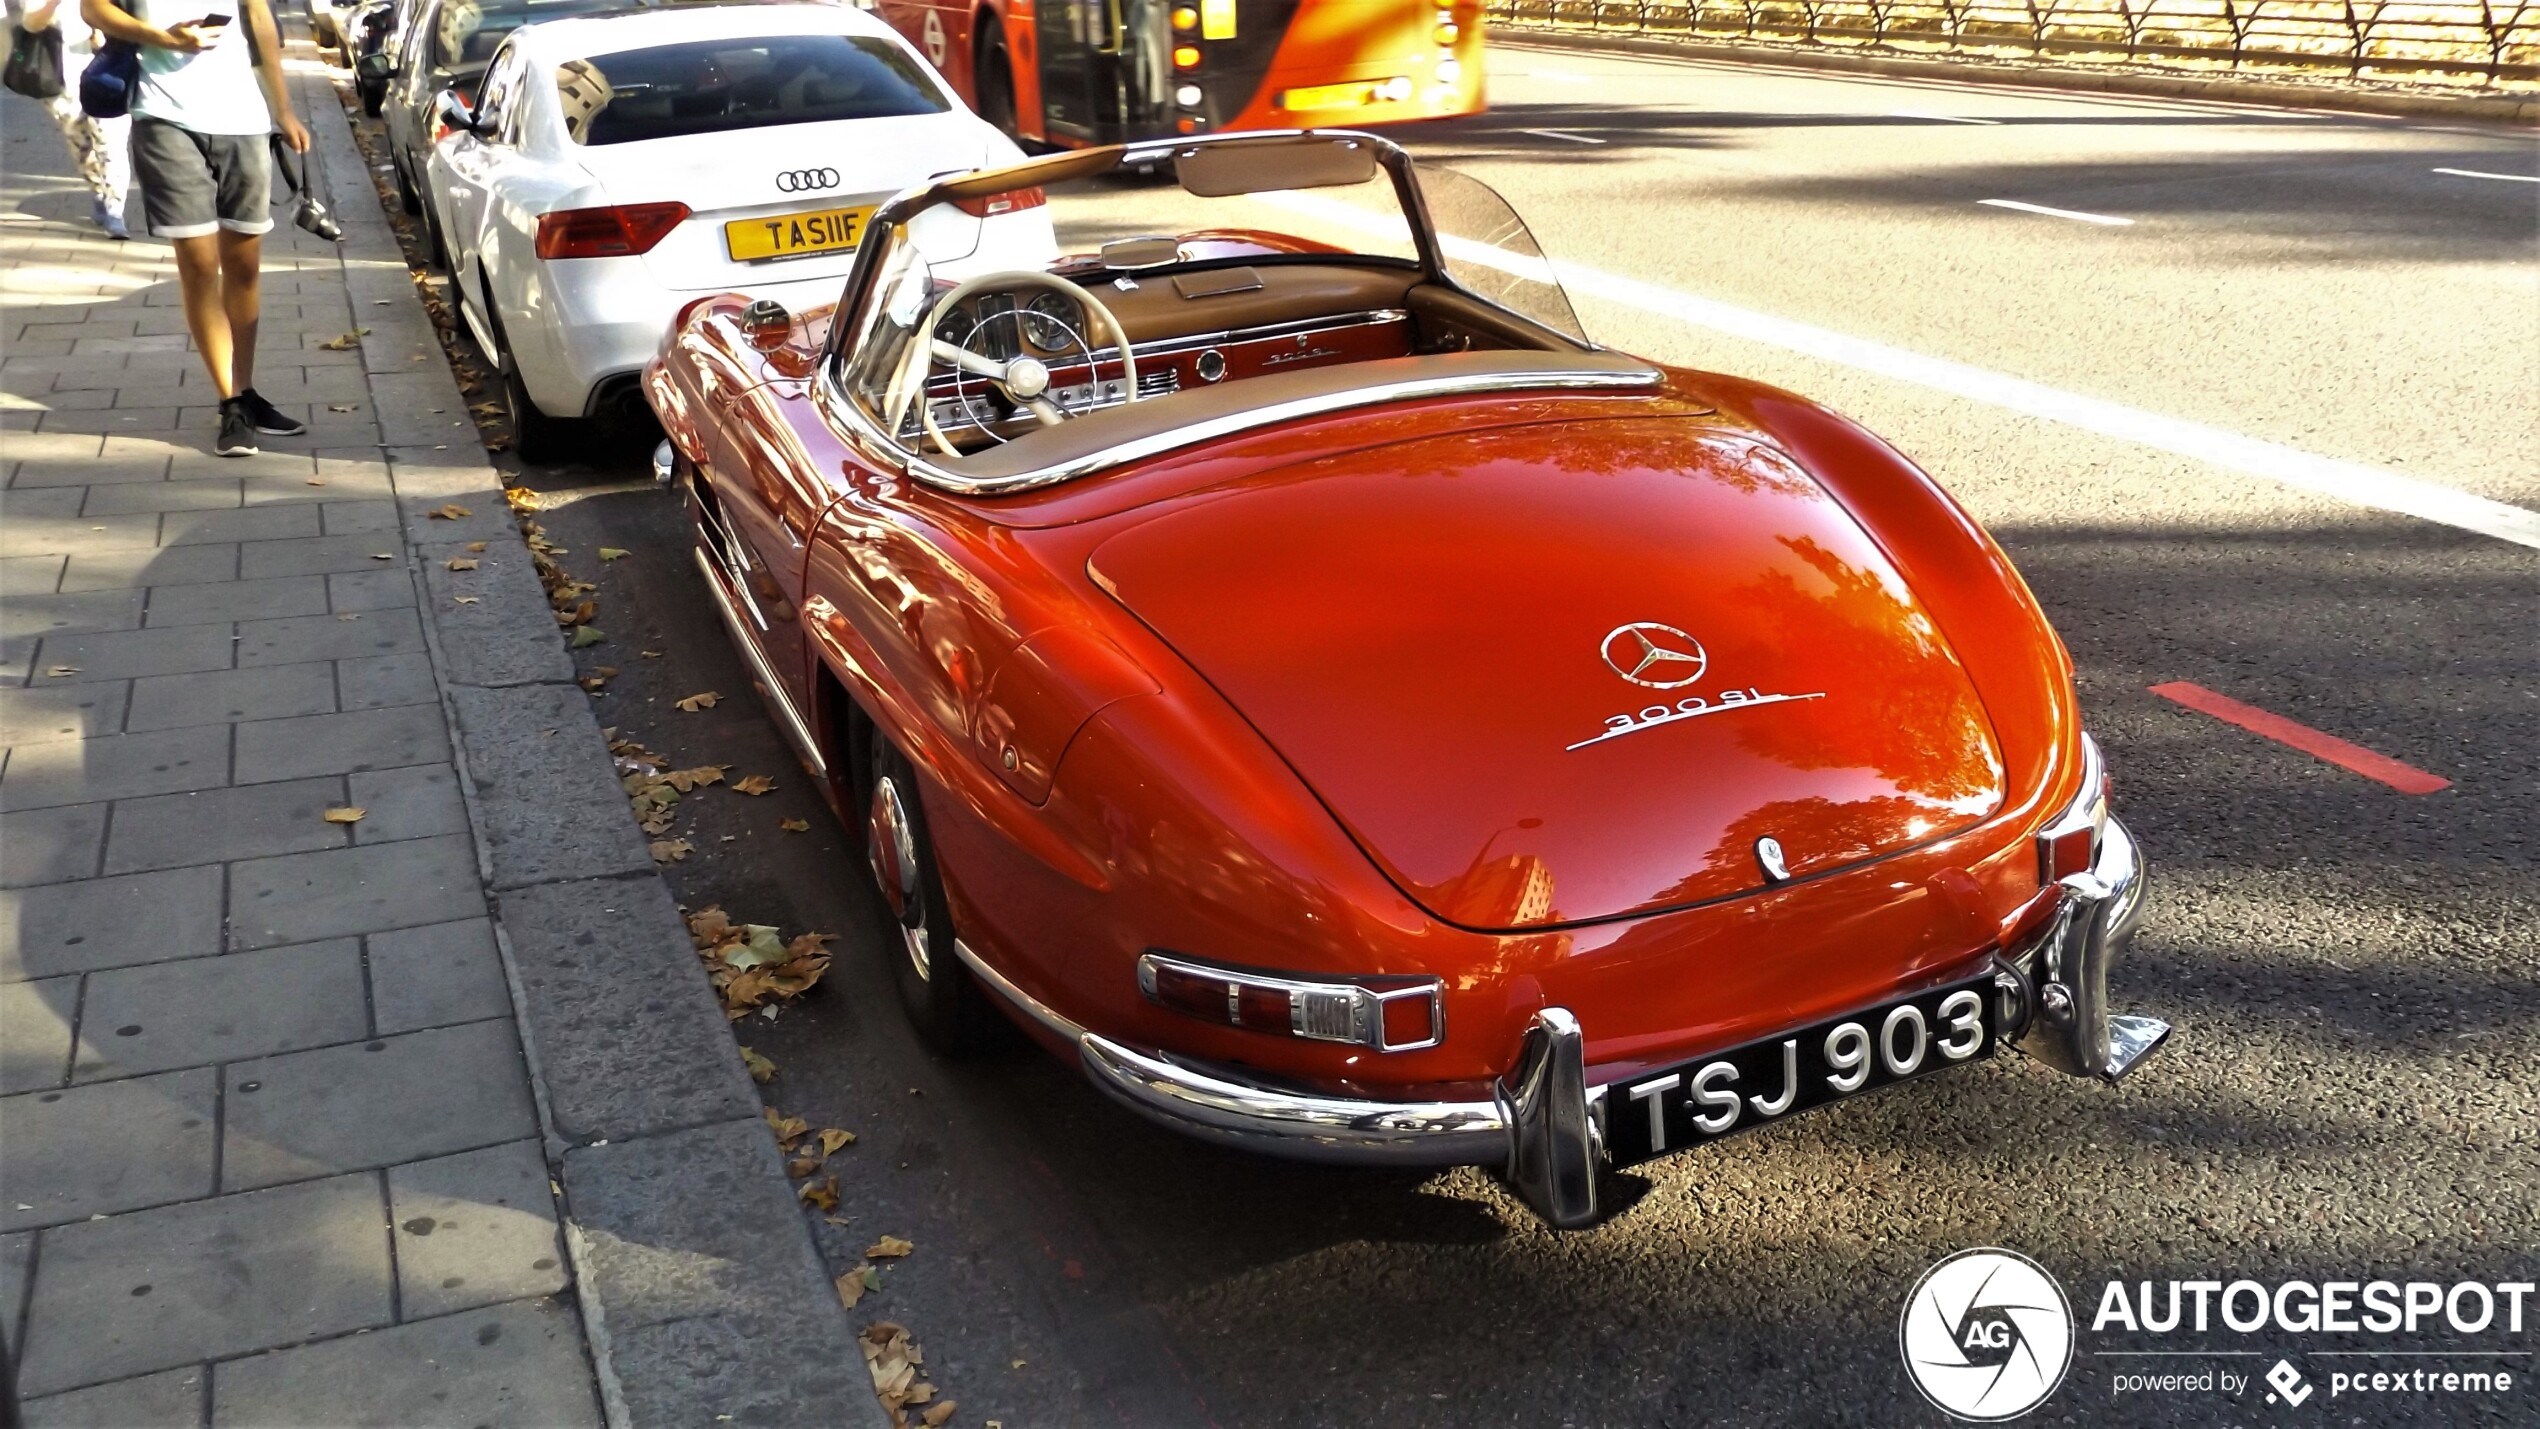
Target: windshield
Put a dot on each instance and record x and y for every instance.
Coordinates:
(469, 31)
(713, 86)
(1212, 262)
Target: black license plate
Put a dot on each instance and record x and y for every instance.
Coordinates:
(1669, 1110)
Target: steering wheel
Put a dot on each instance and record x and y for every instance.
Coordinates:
(1024, 379)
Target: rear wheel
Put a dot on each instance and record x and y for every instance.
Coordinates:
(994, 81)
(536, 437)
(936, 989)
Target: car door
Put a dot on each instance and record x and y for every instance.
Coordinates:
(771, 497)
(471, 168)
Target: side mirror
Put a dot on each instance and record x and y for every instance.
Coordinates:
(373, 66)
(451, 112)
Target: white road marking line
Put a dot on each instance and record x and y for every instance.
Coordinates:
(2355, 483)
(1559, 76)
(2483, 174)
(2102, 219)
(1562, 134)
(1939, 118)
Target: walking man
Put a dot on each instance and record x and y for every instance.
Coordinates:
(208, 98)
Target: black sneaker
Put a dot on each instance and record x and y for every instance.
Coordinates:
(237, 429)
(268, 418)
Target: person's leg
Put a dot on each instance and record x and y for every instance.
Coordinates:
(115, 153)
(87, 144)
(242, 300)
(199, 263)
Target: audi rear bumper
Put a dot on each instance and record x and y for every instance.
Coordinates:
(1540, 1127)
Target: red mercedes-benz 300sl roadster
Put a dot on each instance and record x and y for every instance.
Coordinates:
(1275, 658)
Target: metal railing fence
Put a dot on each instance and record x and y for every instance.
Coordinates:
(2493, 41)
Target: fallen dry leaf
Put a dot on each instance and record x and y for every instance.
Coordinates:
(346, 814)
(476, 545)
(463, 600)
(934, 1418)
(788, 1129)
(702, 700)
(314, 481)
(851, 1287)
(762, 1070)
(343, 407)
(613, 553)
(650, 654)
(753, 785)
(586, 635)
(802, 1166)
(889, 1247)
(59, 671)
(462, 563)
(671, 850)
(451, 512)
(344, 343)
(821, 1194)
(831, 1139)
(795, 826)
(383, 555)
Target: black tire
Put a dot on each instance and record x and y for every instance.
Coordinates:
(993, 78)
(375, 99)
(937, 991)
(407, 198)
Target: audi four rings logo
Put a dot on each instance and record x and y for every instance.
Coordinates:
(796, 181)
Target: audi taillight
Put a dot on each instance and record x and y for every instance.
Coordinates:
(619, 231)
(1014, 201)
(1399, 1014)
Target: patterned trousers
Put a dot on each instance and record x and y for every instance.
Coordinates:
(101, 147)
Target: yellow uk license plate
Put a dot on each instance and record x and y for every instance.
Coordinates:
(794, 235)
(1327, 96)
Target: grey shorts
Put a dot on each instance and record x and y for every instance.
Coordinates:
(193, 184)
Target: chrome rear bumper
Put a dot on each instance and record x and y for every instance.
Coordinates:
(1539, 1129)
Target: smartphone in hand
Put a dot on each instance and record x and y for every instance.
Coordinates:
(213, 22)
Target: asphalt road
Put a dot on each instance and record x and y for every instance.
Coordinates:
(2354, 1087)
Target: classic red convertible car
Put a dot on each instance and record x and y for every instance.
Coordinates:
(1277, 660)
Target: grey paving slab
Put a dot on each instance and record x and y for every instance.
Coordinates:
(302, 897)
(273, 464)
(128, 654)
(224, 601)
(76, 535)
(375, 1103)
(20, 503)
(206, 1010)
(515, 1366)
(227, 1276)
(474, 1229)
(348, 518)
(252, 523)
(600, 956)
(51, 845)
(153, 565)
(170, 1399)
(115, 1146)
(387, 588)
(109, 922)
(214, 825)
(35, 1032)
(22, 576)
(316, 555)
(508, 635)
(376, 681)
(326, 637)
(34, 716)
(221, 696)
(548, 803)
(339, 484)
(338, 743)
(124, 498)
(118, 766)
(73, 614)
(700, 1254)
(431, 977)
(415, 802)
(17, 1257)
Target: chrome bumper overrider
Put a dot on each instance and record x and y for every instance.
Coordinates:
(1539, 1128)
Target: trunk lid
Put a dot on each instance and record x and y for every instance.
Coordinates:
(1575, 671)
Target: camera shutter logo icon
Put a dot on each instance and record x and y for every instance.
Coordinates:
(1986, 1335)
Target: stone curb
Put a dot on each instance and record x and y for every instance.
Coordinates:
(2286, 93)
(703, 1297)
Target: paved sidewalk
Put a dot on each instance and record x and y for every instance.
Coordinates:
(275, 1151)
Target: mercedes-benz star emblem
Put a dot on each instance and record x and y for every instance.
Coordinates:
(797, 181)
(1658, 656)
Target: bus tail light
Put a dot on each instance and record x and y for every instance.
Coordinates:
(1401, 1014)
(1186, 56)
(1013, 201)
(618, 231)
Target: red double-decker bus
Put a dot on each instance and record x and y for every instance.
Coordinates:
(1079, 72)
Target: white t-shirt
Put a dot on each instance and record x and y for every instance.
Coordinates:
(213, 90)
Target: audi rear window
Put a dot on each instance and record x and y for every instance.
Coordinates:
(711, 86)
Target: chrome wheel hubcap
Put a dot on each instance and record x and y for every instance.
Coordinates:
(891, 849)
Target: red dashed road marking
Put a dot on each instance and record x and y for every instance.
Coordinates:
(2406, 778)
